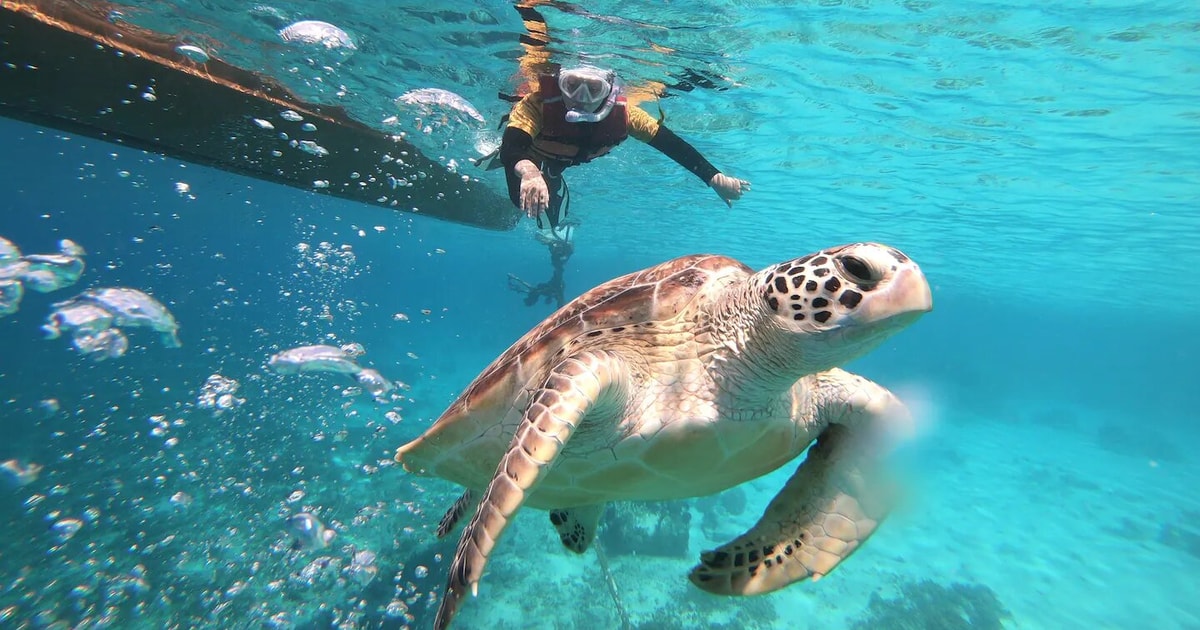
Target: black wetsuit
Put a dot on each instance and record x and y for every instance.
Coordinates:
(517, 145)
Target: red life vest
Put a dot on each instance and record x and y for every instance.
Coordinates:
(579, 142)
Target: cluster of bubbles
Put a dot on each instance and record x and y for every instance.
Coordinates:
(331, 359)
(316, 50)
(448, 122)
(326, 258)
(200, 554)
(168, 515)
(309, 531)
(42, 273)
(301, 33)
(180, 525)
(18, 473)
(93, 318)
(328, 267)
(439, 103)
(218, 394)
(315, 55)
(311, 147)
(39, 272)
(317, 33)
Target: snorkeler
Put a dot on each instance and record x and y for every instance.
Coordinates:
(574, 116)
(570, 117)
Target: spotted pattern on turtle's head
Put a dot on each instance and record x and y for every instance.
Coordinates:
(819, 291)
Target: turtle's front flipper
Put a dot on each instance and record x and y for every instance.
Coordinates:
(821, 516)
(577, 385)
(577, 526)
(833, 502)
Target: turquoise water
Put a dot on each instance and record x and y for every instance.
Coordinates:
(1038, 162)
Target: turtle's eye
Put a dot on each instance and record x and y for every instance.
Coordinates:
(858, 270)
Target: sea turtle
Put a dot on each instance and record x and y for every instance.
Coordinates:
(682, 380)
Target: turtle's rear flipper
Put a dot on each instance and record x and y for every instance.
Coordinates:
(588, 384)
(577, 526)
(823, 514)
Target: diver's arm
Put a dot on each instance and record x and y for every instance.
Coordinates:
(527, 188)
(727, 188)
(685, 154)
(524, 124)
(514, 147)
(645, 128)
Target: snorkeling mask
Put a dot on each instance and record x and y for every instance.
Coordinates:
(589, 93)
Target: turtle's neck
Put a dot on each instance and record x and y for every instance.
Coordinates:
(753, 359)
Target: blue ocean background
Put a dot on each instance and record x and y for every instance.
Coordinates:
(1038, 161)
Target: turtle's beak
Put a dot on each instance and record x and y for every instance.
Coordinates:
(905, 299)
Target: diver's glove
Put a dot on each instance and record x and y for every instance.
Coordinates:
(728, 188)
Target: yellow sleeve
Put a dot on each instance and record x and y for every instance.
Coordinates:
(642, 126)
(526, 115)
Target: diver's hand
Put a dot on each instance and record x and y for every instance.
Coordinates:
(535, 195)
(728, 188)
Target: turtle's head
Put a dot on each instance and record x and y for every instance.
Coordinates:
(840, 303)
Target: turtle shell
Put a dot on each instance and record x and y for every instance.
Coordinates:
(465, 443)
